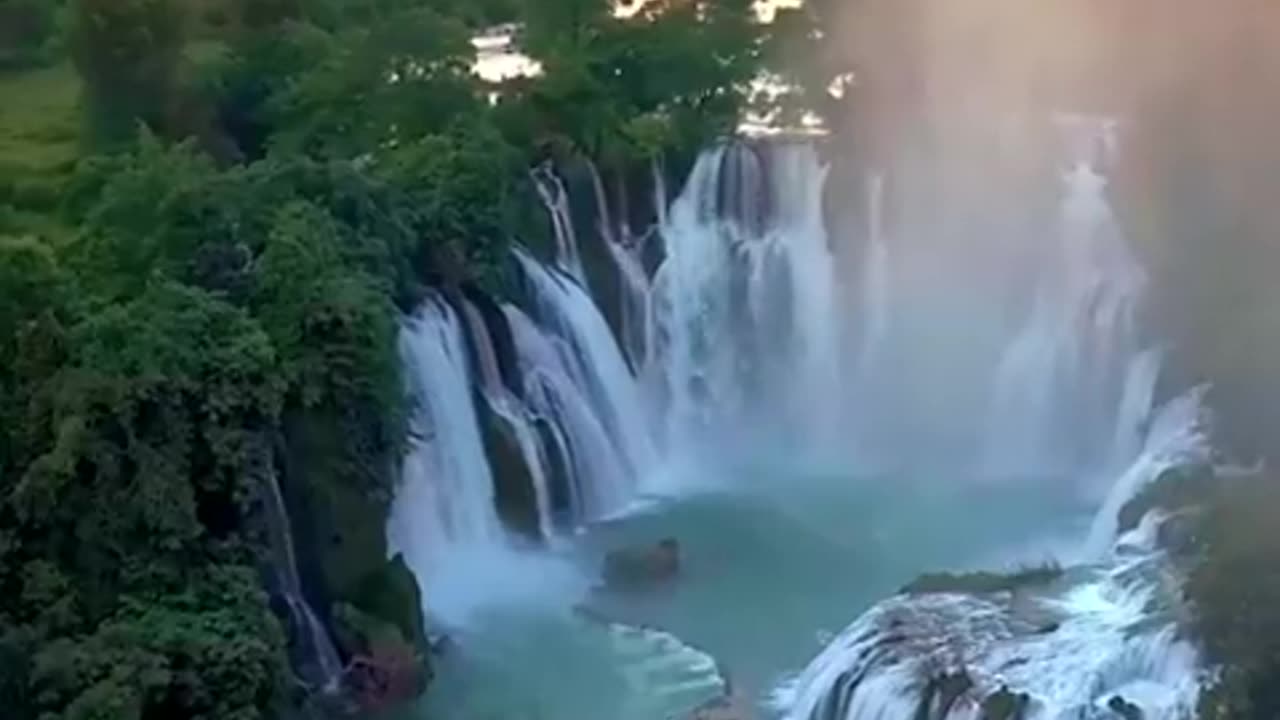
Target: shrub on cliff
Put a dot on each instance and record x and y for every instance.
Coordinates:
(983, 582)
(1235, 589)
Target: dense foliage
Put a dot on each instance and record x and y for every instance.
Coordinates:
(1235, 586)
(201, 300)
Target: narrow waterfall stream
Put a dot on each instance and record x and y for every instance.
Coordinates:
(812, 439)
(310, 642)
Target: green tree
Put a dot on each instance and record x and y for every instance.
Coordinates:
(676, 73)
(127, 52)
(383, 84)
(28, 31)
(129, 524)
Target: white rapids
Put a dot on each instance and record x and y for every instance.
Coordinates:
(1061, 650)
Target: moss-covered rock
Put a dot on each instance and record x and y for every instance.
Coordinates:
(386, 669)
(983, 582)
(1005, 704)
(391, 593)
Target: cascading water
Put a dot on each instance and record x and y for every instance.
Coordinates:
(443, 515)
(748, 346)
(874, 306)
(744, 303)
(1068, 390)
(555, 198)
(1177, 437)
(314, 650)
(590, 355)
(513, 415)
(555, 388)
(1061, 650)
(627, 250)
(575, 424)
(750, 340)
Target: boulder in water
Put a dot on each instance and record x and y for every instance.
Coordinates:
(635, 568)
(1005, 704)
(1124, 709)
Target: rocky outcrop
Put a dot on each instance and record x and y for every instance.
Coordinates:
(642, 568)
(371, 605)
(385, 667)
(1056, 650)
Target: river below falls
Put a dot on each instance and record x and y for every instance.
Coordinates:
(769, 571)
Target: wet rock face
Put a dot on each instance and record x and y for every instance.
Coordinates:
(642, 568)
(515, 498)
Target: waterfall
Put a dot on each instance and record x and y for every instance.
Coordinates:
(1055, 387)
(555, 198)
(443, 513)
(1177, 437)
(1067, 647)
(574, 426)
(743, 306)
(627, 250)
(873, 321)
(314, 650)
(589, 353)
(556, 388)
(511, 412)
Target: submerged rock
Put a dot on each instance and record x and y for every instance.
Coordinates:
(639, 568)
(1124, 709)
(723, 708)
(1004, 704)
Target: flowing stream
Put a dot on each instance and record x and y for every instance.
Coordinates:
(812, 437)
